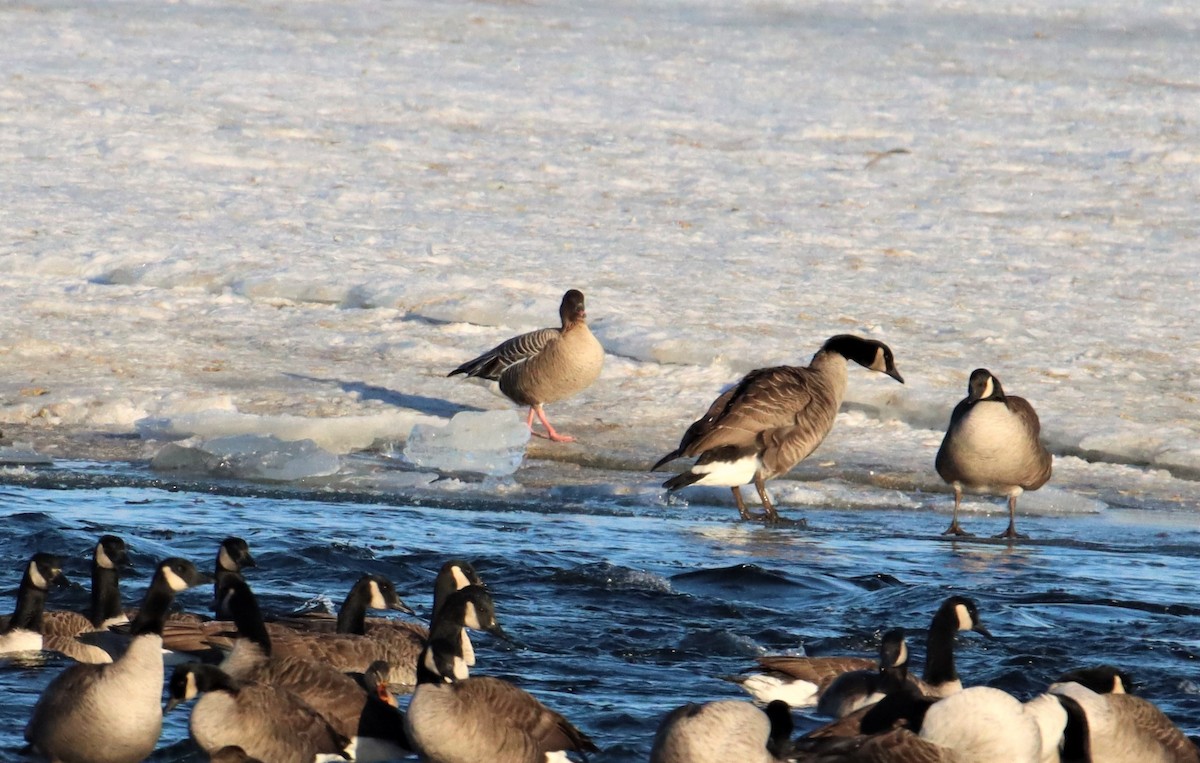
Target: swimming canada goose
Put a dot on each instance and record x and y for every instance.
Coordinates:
(544, 366)
(333, 694)
(23, 631)
(772, 420)
(976, 725)
(859, 688)
(456, 718)
(723, 732)
(1123, 728)
(1102, 679)
(266, 722)
(992, 445)
(113, 713)
(799, 681)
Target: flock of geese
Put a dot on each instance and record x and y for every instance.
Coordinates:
(315, 687)
(304, 688)
(774, 418)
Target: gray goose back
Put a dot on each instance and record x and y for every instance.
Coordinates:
(264, 721)
(1123, 728)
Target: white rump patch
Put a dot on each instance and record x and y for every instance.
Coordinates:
(557, 756)
(727, 473)
(794, 691)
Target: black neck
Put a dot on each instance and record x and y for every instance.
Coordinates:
(220, 577)
(212, 678)
(153, 614)
(939, 648)
(31, 602)
(442, 650)
(106, 595)
(249, 621)
(352, 617)
(442, 587)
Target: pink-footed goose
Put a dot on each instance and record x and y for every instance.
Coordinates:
(992, 445)
(772, 420)
(544, 366)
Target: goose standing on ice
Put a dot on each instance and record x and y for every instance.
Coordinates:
(772, 420)
(992, 445)
(544, 366)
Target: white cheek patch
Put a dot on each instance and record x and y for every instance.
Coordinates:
(902, 658)
(460, 579)
(36, 576)
(1118, 686)
(471, 617)
(377, 601)
(225, 561)
(988, 388)
(468, 650)
(880, 363)
(430, 663)
(460, 669)
(102, 559)
(177, 583)
(965, 623)
(190, 690)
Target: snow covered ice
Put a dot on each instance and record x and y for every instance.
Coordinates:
(491, 443)
(310, 213)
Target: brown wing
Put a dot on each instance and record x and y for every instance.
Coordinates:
(492, 363)
(1040, 471)
(818, 670)
(1152, 722)
(294, 715)
(334, 695)
(61, 622)
(521, 712)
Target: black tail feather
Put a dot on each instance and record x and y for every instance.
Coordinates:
(682, 480)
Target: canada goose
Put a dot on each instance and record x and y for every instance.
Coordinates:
(23, 632)
(233, 555)
(113, 713)
(992, 445)
(454, 718)
(544, 366)
(976, 725)
(859, 688)
(1123, 728)
(333, 694)
(799, 681)
(772, 420)
(722, 732)
(266, 722)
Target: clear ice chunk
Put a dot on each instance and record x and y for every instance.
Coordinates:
(490, 443)
(254, 457)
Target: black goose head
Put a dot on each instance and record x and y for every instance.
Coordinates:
(984, 386)
(893, 650)
(43, 571)
(379, 593)
(868, 353)
(961, 614)
(779, 713)
(191, 679)
(234, 554)
(572, 308)
(178, 575)
(112, 553)
(472, 607)
(454, 575)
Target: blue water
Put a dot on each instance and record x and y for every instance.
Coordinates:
(624, 611)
